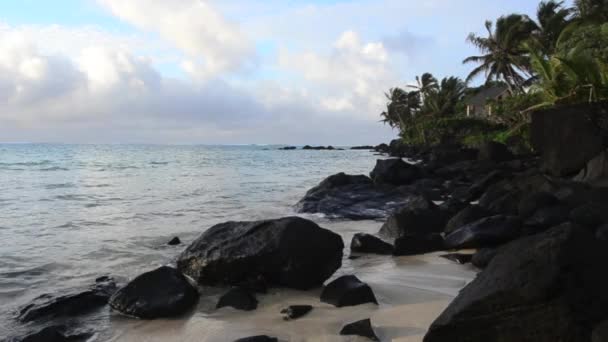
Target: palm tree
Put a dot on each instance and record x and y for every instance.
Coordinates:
(443, 102)
(552, 18)
(591, 10)
(503, 55)
(400, 108)
(425, 84)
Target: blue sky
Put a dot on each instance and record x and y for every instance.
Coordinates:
(230, 71)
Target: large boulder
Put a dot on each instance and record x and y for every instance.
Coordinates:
(54, 333)
(419, 217)
(487, 232)
(568, 136)
(494, 151)
(70, 304)
(360, 328)
(468, 215)
(291, 252)
(418, 244)
(353, 197)
(542, 288)
(532, 202)
(483, 256)
(590, 215)
(347, 290)
(394, 172)
(238, 298)
(366, 243)
(164, 292)
(545, 218)
(596, 171)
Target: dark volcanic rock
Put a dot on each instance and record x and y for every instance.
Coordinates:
(347, 290)
(382, 148)
(364, 147)
(480, 186)
(542, 288)
(397, 148)
(468, 215)
(291, 252)
(259, 338)
(545, 218)
(482, 257)
(71, 304)
(489, 231)
(602, 232)
(590, 215)
(366, 243)
(254, 285)
(394, 172)
(494, 151)
(596, 171)
(353, 197)
(460, 258)
(287, 148)
(419, 217)
(295, 311)
(449, 154)
(418, 244)
(55, 333)
(164, 292)
(531, 203)
(174, 242)
(360, 328)
(239, 299)
(600, 332)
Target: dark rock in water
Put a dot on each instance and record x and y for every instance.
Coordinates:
(347, 290)
(468, 215)
(505, 204)
(545, 218)
(382, 148)
(482, 257)
(174, 242)
(419, 217)
(544, 288)
(397, 148)
(366, 243)
(602, 232)
(239, 299)
(394, 172)
(590, 215)
(449, 154)
(55, 333)
(259, 338)
(164, 292)
(494, 151)
(531, 203)
(291, 252)
(478, 188)
(567, 136)
(487, 232)
(418, 244)
(460, 258)
(295, 311)
(318, 148)
(288, 148)
(73, 304)
(450, 208)
(600, 332)
(365, 147)
(353, 197)
(360, 328)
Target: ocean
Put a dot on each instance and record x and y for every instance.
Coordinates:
(72, 213)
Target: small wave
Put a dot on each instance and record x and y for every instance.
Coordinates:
(54, 168)
(97, 186)
(72, 197)
(159, 163)
(68, 225)
(37, 163)
(60, 186)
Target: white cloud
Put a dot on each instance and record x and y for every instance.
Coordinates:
(211, 43)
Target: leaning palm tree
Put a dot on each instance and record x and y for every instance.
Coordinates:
(552, 18)
(443, 102)
(504, 57)
(400, 108)
(591, 10)
(425, 84)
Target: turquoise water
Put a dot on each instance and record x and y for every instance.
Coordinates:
(71, 213)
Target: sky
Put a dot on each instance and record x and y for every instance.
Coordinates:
(223, 71)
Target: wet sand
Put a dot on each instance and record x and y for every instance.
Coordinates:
(412, 292)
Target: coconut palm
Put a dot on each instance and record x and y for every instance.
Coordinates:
(425, 84)
(400, 108)
(443, 101)
(591, 10)
(503, 55)
(552, 18)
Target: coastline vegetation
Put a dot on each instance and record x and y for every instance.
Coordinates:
(558, 57)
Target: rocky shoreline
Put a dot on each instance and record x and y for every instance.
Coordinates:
(539, 239)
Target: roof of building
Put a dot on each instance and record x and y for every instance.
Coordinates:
(484, 95)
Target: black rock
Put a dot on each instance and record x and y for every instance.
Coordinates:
(480, 186)
(287, 148)
(602, 232)
(419, 217)
(460, 258)
(354, 198)
(259, 338)
(366, 243)
(291, 252)
(174, 242)
(365, 147)
(360, 328)
(72, 304)
(468, 215)
(382, 148)
(164, 292)
(418, 244)
(55, 333)
(494, 151)
(545, 218)
(394, 172)
(347, 290)
(505, 204)
(531, 203)
(239, 299)
(295, 311)
(482, 257)
(487, 232)
(556, 278)
(600, 332)
(590, 215)
(254, 285)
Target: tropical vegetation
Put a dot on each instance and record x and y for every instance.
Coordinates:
(558, 57)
